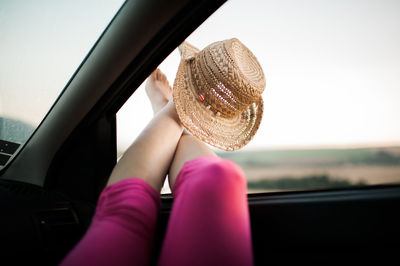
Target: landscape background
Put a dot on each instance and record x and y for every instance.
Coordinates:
(331, 103)
(304, 169)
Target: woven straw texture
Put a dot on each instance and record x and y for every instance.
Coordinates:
(217, 93)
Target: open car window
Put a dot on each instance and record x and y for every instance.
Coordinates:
(331, 105)
(42, 44)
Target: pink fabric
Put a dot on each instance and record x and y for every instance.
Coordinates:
(122, 229)
(209, 222)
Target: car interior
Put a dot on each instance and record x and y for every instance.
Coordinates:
(50, 185)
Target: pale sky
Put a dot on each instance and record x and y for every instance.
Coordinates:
(42, 43)
(332, 67)
(332, 71)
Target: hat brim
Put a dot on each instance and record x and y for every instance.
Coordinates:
(224, 133)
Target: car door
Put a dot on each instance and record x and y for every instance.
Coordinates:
(50, 186)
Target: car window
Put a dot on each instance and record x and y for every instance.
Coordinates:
(331, 103)
(42, 43)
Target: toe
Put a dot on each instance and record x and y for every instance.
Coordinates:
(160, 75)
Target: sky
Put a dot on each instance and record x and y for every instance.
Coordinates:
(332, 70)
(332, 67)
(42, 43)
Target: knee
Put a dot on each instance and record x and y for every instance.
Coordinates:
(223, 174)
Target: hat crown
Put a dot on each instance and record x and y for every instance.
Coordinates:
(228, 77)
(217, 93)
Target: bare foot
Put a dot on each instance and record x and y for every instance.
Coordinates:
(158, 90)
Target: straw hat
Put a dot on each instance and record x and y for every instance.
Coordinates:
(217, 93)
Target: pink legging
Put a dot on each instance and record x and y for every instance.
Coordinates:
(209, 222)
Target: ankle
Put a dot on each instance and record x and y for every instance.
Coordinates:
(170, 110)
(158, 105)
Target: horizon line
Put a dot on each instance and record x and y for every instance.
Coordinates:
(323, 147)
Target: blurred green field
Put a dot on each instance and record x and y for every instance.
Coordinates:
(316, 157)
(303, 183)
(282, 170)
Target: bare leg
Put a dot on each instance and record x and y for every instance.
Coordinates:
(150, 155)
(123, 227)
(189, 148)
